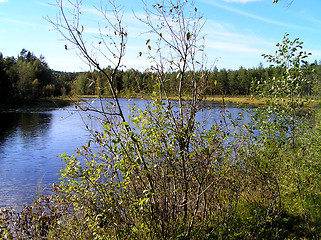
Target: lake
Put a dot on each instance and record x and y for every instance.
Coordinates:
(31, 141)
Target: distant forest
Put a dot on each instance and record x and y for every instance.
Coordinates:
(30, 77)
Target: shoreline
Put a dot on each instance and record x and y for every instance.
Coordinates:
(218, 98)
(54, 102)
(59, 102)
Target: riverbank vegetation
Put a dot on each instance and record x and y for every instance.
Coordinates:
(161, 174)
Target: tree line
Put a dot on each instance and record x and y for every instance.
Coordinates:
(220, 82)
(30, 77)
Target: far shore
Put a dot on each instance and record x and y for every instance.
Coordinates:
(52, 102)
(58, 102)
(239, 100)
(218, 98)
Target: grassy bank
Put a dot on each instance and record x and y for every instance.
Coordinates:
(217, 98)
(58, 102)
(239, 100)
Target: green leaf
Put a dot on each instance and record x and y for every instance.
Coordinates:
(124, 123)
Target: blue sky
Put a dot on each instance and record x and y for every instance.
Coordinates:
(237, 31)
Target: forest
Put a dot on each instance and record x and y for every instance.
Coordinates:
(30, 77)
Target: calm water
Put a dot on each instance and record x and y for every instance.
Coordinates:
(31, 141)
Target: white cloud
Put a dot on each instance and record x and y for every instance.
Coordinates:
(241, 1)
(312, 19)
(3, 1)
(233, 49)
(68, 62)
(249, 15)
(20, 22)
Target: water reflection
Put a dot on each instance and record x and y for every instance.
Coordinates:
(31, 141)
(22, 136)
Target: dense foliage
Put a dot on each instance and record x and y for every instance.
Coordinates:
(25, 77)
